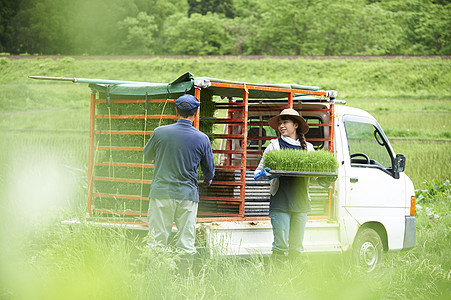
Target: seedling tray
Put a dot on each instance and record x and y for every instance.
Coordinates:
(303, 174)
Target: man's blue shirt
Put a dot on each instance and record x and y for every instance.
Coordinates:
(178, 149)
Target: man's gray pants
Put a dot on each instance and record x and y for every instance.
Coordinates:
(162, 214)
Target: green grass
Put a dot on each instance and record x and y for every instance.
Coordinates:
(42, 172)
(402, 104)
(396, 91)
(410, 118)
(31, 96)
(353, 78)
(55, 262)
(43, 177)
(46, 105)
(434, 125)
(425, 160)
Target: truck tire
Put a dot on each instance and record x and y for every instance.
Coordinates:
(367, 249)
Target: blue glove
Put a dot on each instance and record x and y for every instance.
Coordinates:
(264, 174)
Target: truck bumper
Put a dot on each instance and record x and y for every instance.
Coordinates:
(244, 238)
(410, 233)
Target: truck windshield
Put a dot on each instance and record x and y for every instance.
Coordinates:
(366, 147)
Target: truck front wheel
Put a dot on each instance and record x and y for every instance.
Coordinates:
(367, 249)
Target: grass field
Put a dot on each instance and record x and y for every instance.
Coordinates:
(43, 178)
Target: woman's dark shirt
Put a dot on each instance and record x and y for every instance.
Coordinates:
(292, 195)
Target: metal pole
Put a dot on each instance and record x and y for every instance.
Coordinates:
(331, 128)
(91, 150)
(230, 115)
(331, 150)
(290, 100)
(196, 117)
(244, 149)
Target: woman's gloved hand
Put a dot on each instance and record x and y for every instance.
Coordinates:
(264, 174)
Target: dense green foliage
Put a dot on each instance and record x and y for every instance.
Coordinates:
(237, 27)
(434, 190)
(302, 161)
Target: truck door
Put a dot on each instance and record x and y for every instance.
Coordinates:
(375, 193)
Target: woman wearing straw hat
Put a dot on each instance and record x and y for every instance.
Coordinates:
(289, 201)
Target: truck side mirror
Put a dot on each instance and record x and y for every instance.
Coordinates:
(400, 163)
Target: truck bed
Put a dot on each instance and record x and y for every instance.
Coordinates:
(257, 196)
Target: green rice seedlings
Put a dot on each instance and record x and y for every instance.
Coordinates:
(207, 109)
(301, 161)
(157, 113)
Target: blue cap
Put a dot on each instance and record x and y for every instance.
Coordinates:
(190, 100)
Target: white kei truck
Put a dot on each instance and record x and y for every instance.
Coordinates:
(368, 210)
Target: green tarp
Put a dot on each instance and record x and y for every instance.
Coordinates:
(183, 84)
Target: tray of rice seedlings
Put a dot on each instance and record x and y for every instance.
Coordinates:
(289, 162)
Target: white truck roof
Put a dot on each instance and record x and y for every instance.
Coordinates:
(347, 110)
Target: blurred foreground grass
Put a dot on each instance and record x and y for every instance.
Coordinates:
(56, 262)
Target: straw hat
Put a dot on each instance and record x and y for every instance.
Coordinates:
(274, 121)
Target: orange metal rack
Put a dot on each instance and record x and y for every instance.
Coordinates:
(213, 205)
(121, 201)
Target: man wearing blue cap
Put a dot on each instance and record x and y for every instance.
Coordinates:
(178, 149)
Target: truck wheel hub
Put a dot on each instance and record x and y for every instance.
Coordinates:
(368, 254)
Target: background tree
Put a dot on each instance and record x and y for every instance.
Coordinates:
(93, 26)
(8, 10)
(202, 7)
(197, 35)
(355, 28)
(160, 10)
(140, 34)
(240, 27)
(434, 30)
(38, 27)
